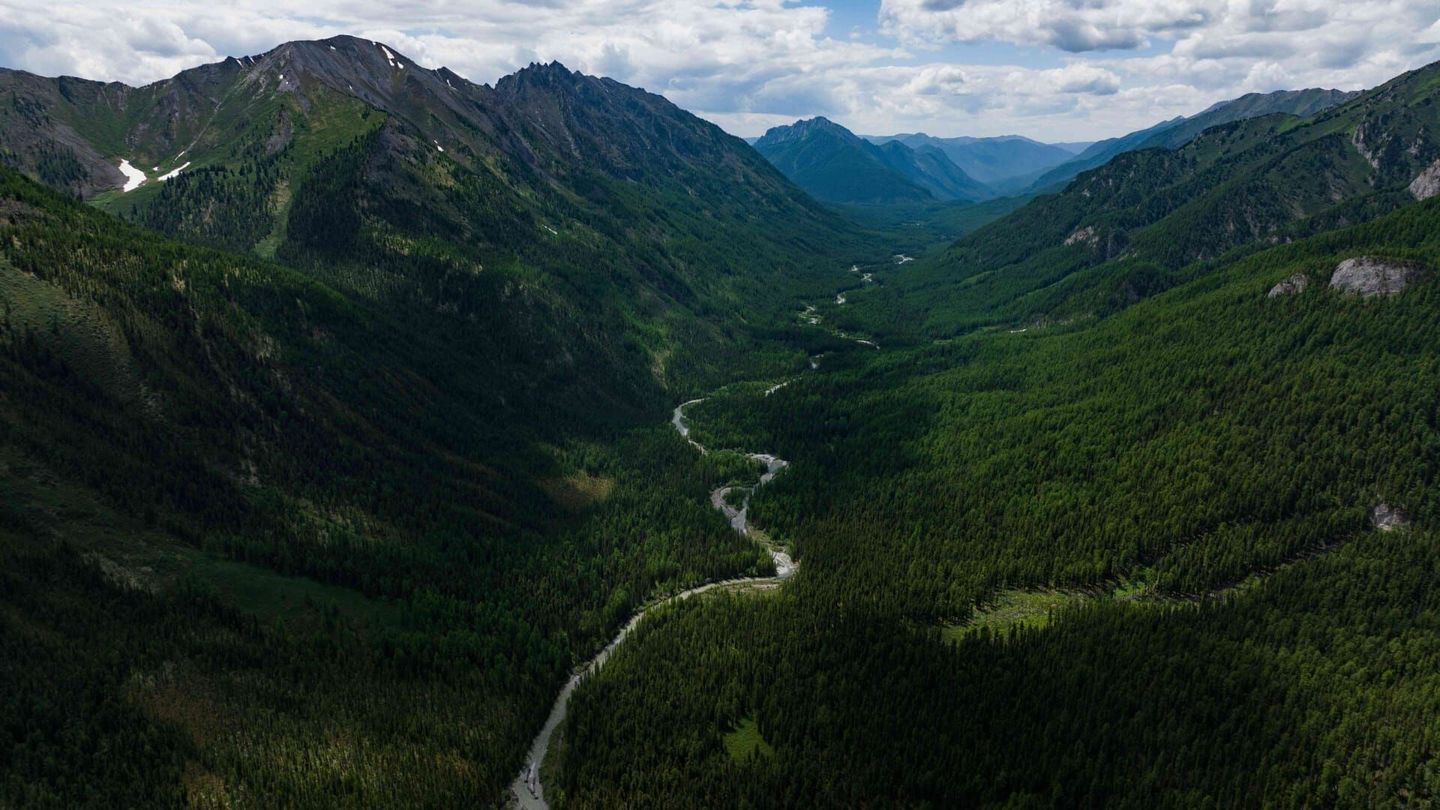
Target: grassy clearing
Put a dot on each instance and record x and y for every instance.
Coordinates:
(1037, 608)
(262, 592)
(745, 741)
(579, 491)
(1015, 608)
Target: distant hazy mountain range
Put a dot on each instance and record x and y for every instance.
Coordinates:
(1006, 163)
(835, 165)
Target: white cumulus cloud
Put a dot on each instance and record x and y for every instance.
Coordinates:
(1078, 68)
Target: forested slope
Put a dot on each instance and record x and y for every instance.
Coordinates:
(654, 232)
(1208, 437)
(1177, 132)
(321, 472)
(271, 531)
(1150, 219)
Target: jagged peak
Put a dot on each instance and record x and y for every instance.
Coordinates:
(539, 74)
(554, 66)
(806, 127)
(368, 69)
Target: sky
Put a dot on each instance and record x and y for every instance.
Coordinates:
(1053, 70)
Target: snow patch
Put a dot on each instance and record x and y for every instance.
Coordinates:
(439, 147)
(389, 57)
(901, 258)
(133, 176)
(175, 171)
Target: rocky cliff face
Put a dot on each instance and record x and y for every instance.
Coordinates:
(1367, 276)
(1293, 285)
(1427, 183)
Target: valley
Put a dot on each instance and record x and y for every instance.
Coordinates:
(527, 789)
(341, 462)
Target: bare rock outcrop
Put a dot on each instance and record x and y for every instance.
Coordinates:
(1293, 285)
(1427, 183)
(1387, 518)
(1367, 276)
(1085, 235)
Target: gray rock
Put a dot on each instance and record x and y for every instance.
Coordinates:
(1293, 285)
(1427, 183)
(1387, 518)
(1085, 235)
(1367, 276)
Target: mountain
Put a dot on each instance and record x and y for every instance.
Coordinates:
(346, 427)
(1152, 218)
(835, 165)
(400, 182)
(930, 169)
(989, 160)
(1179, 131)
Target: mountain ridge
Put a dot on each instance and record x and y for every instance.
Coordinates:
(1152, 218)
(548, 168)
(1178, 131)
(836, 165)
(995, 161)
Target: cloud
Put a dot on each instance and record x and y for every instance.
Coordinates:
(1070, 25)
(1079, 68)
